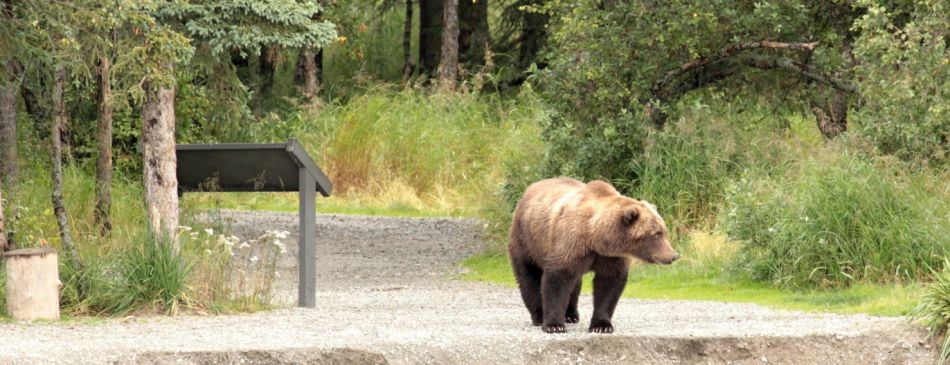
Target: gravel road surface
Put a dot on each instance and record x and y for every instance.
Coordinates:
(388, 293)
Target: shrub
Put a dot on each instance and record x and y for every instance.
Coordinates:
(150, 275)
(904, 77)
(934, 309)
(837, 222)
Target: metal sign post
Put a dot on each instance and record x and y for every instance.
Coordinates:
(263, 167)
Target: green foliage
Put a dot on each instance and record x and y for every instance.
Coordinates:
(934, 310)
(368, 49)
(151, 275)
(246, 25)
(904, 74)
(606, 63)
(839, 221)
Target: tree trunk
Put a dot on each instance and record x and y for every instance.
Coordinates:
(533, 35)
(59, 208)
(8, 166)
(430, 35)
(159, 160)
(407, 66)
(254, 80)
(473, 31)
(8, 155)
(266, 68)
(3, 233)
(104, 143)
(449, 64)
(311, 86)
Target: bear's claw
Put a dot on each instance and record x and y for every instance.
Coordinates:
(553, 329)
(602, 329)
(572, 319)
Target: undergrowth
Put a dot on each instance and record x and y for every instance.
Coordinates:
(839, 221)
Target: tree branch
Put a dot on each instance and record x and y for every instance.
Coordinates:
(704, 71)
(727, 52)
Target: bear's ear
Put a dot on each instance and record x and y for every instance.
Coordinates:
(630, 216)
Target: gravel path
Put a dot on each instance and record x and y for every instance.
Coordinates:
(387, 293)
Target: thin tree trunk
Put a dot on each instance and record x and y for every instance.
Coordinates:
(407, 66)
(254, 78)
(104, 142)
(449, 65)
(533, 35)
(473, 31)
(59, 208)
(159, 160)
(430, 35)
(3, 232)
(8, 155)
(266, 69)
(8, 167)
(311, 86)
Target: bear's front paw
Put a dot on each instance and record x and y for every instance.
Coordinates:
(601, 327)
(572, 316)
(555, 328)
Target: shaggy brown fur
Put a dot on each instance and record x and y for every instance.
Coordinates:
(563, 228)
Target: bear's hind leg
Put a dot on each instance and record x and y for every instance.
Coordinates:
(528, 276)
(572, 315)
(556, 289)
(609, 282)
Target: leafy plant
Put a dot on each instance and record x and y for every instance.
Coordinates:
(150, 275)
(837, 222)
(905, 80)
(934, 310)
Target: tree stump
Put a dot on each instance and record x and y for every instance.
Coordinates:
(32, 283)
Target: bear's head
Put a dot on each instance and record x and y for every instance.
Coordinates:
(641, 232)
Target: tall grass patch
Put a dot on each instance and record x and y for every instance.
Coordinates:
(934, 310)
(837, 221)
(423, 151)
(150, 275)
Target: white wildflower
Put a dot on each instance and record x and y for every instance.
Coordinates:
(244, 245)
(254, 258)
(209, 231)
(281, 246)
(184, 228)
(207, 251)
(771, 229)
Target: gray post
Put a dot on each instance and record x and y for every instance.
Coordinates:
(307, 252)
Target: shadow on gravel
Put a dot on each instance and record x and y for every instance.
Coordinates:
(344, 356)
(866, 349)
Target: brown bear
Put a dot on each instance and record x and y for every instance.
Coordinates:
(562, 229)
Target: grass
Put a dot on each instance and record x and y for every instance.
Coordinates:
(703, 274)
(839, 221)
(404, 153)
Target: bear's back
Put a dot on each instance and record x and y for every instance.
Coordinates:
(556, 207)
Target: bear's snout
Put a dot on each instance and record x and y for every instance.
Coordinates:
(660, 259)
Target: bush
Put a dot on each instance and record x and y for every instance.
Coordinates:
(150, 275)
(934, 309)
(904, 77)
(834, 223)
